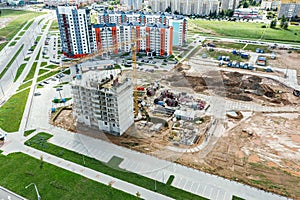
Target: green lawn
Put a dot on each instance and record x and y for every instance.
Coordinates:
(20, 70)
(25, 85)
(52, 73)
(30, 75)
(12, 111)
(2, 45)
(245, 30)
(52, 66)
(28, 132)
(11, 61)
(28, 25)
(40, 21)
(21, 33)
(54, 26)
(12, 43)
(18, 170)
(27, 59)
(238, 46)
(38, 55)
(39, 141)
(20, 18)
(41, 71)
(43, 64)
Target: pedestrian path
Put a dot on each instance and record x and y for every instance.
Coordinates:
(93, 175)
(206, 185)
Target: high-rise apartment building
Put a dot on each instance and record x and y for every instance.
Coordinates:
(150, 38)
(133, 4)
(177, 22)
(289, 8)
(156, 33)
(187, 7)
(104, 101)
(76, 32)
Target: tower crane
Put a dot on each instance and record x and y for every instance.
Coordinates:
(132, 42)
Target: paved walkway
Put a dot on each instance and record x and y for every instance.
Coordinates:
(206, 185)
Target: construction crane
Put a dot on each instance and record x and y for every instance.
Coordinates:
(132, 42)
(134, 74)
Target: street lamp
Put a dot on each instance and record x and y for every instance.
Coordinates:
(37, 192)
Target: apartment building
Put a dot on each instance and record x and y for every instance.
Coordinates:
(103, 100)
(154, 39)
(76, 32)
(289, 8)
(132, 4)
(178, 22)
(187, 7)
(269, 4)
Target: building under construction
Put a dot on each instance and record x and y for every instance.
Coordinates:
(104, 100)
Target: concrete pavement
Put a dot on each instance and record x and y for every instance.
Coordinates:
(6, 194)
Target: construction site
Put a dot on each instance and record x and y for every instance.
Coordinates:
(252, 137)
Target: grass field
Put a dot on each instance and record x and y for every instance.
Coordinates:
(28, 132)
(28, 25)
(43, 64)
(25, 85)
(39, 141)
(18, 170)
(30, 74)
(238, 46)
(42, 71)
(2, 45)
(45, 76)
(20, 70)
(52, 66)
(12, 43)
(12, 111)
(54, 26)
(11, 61)
(20, 18)
(245, 30)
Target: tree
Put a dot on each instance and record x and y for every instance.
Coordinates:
(273, 23)
(168, 9)
(284, 22)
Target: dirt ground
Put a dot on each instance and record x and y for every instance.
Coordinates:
(262, 149)
(4, 21)
(234, 85)
(284, 60)
(268, 158)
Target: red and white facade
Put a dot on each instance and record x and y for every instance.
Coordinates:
(151, 38)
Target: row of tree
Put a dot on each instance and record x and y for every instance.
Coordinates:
(284, 23)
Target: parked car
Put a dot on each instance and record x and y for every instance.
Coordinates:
(59, 89)
(37, 94)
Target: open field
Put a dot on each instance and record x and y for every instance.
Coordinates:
(17, 20)
(40, 142)
(12, 111)
(244, 30)
(19, 170)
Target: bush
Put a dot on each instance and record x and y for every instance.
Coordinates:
(264, 26)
